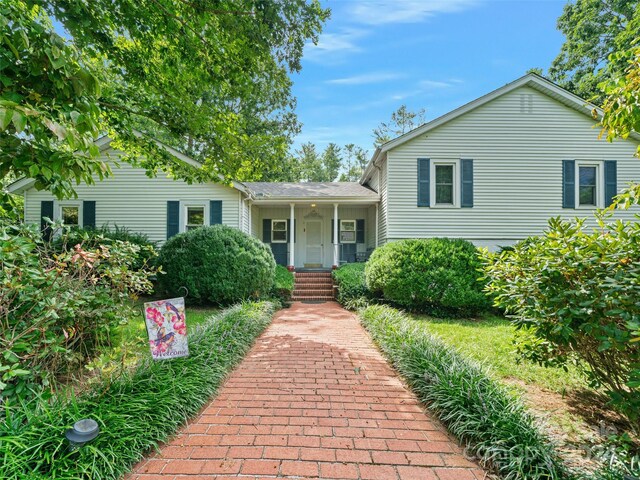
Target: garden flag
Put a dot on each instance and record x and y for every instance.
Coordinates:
(167, 328)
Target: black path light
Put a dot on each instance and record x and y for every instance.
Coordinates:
(83, 431)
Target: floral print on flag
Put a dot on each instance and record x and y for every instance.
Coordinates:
(167, 328)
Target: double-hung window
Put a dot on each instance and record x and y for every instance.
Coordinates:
(279, 231)
(444, 184)
(70, 214)
(445, 179)
(588, 185)
(347, 231)
(194, 216)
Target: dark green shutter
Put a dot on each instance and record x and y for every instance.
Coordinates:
(89, 214)
(173, 218)
(266, 230)
(568, 184)
(423, 182)
(610, 181)
(215, 212)
(466, 178)
(46, 210)
(360, 230)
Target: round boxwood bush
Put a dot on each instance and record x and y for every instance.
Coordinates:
(436, 275)
(219, 265)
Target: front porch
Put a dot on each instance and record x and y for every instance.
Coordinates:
(314, 224)
(314, 235)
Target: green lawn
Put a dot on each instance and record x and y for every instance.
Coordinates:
(490, 340)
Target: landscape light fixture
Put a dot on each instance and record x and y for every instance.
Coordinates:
(83, 431)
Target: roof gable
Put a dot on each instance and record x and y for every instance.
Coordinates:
(532, 80)
(104, 144)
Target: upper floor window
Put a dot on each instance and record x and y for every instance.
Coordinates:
(588, 185)
(444, 184)
(279, 231)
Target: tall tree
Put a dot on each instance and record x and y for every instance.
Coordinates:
(355, 161)
(622, 103)
(402, 121)
(310, 163)
(209, 77)
(594, 29)
(331, 162)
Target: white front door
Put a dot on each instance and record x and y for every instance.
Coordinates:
(314, 242)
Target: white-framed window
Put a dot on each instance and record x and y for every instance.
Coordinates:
(347, 231)
(70, 213)
(445, 181)
(589, 183)
(194, 215)
(279, 231)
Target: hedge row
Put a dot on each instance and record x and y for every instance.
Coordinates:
(135, 411)
(481, 412)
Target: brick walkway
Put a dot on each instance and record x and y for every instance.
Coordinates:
(313, 398)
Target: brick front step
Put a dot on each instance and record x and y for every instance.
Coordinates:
(314, 293)
(314, 286)
(313, 281)
(312, 299)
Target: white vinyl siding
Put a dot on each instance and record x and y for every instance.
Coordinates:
(384, 201)
(517, 156)
(256, 222)
(131, 199)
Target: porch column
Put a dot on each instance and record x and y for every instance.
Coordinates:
(249, 206)
(336, 252)
(292, 235)
(377, 223)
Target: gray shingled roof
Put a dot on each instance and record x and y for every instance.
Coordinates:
(309, 190)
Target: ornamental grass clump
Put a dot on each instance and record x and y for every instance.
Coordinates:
(135, 411)
(481, 412)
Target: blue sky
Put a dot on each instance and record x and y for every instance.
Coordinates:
(375, 55)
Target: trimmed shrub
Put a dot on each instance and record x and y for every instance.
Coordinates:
(352, 285)
(217, 265)
(57, 310)
(94, 237)
(575, 292)
(284, 283)
(135, 411)
(481, 412)
(437, 275)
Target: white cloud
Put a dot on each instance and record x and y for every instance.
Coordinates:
(379, 12)
(366, 78)
(434, 84)
(427, 86)
(333, 47)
